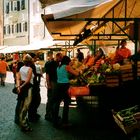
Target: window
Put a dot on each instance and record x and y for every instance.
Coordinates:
(15, 5)
(18, 5)
(19, 27)
(11, 5)
(15, 28)
(12, 29)
(4, 30)
(25, 28)
(8, 30)
(22, 4)
(7, 8)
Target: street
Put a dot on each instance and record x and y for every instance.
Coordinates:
(43, 130)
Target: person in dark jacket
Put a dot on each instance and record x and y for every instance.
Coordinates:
(80, 55)
(36, 98)
(51, 80)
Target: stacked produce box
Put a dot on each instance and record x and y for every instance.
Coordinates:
(128, 119)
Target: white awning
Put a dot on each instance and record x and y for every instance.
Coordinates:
(72, 7)
(37, 45)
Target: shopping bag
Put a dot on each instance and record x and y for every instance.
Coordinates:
(15, 90)
(78, 91)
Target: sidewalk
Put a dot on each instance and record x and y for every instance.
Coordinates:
(85, 126)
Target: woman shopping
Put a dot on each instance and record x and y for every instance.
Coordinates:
(61, 94)
(24, 84)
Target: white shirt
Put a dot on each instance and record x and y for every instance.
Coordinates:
(24, 72)
(38, 68)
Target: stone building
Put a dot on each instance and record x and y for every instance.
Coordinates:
(22, 22)
(1, 23)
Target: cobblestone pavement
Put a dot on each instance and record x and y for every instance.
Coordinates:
(43, 130)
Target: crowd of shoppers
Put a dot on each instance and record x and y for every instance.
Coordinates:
(25, 72)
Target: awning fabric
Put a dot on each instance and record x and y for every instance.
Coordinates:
(72, 28)
(45, 3)
(37, 45)
(72, 7)
(68, 30)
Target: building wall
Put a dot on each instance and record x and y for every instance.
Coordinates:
(15, 22)
(22, 22)
(36, 24)
(1, 23)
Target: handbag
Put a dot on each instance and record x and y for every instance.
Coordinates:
(15, 90)
(78, 91)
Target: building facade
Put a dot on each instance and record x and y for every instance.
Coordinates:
(1, 23)
(22, 22)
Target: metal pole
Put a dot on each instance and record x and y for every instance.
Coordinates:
(136, 36)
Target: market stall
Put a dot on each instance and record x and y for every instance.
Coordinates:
(110, 87)
(113, 84)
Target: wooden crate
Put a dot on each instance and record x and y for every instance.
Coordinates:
(126, 73)
(127, 129)
(138, 68)
(112, 80)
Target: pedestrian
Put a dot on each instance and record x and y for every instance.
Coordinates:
(14, 69)
(51, 80)
(61, 92)
(38, 71)
(80, 55)
(17, 110)
(24, 86)
(36, 98)
(3, 69)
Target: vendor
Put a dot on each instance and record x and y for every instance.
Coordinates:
(122, 53)
(80, 55)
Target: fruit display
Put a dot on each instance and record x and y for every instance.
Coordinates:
(94, 74)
